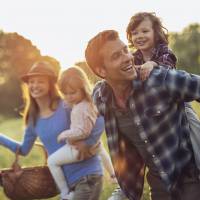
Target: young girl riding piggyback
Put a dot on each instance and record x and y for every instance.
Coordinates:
(76, 90)
(147, 35)
(149, 38)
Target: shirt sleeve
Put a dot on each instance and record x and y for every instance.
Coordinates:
(168, 59)
(83, 118)
(96, 132)
(25, 146)
(164, 56)
(182, 85)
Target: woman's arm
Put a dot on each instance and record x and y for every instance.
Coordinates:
(25, 146)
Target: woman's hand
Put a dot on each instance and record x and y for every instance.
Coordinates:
(84, 149)
(61, 137)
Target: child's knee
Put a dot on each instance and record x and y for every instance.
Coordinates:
(50, 161)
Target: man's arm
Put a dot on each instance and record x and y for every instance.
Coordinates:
(182, 85)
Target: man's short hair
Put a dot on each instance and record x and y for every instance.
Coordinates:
(92, 52)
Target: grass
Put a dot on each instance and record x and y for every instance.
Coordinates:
(14, 129)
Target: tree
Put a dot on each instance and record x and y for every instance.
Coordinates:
(92, 77)
(17, 54)
(186, 46)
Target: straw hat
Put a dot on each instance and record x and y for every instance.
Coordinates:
(40, 69)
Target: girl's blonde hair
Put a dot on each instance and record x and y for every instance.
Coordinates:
(76, 78)
(161, 33)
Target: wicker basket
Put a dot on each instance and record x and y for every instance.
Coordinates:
(27, 183)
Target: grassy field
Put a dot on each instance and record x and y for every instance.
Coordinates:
(14, 129)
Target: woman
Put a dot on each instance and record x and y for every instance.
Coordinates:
(46, 117)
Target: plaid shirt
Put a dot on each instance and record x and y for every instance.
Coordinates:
(158, 108)
(161, 55)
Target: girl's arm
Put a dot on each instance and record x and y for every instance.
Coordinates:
(91, 144)
(167, 59)
(83, 118)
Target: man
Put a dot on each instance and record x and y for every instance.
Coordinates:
(145, 121)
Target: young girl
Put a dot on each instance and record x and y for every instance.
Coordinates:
(76, 90)
(147, 35)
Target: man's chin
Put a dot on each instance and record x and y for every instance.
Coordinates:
(134, 76)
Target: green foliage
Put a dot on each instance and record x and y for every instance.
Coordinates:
(186, 46)
(17, 55)
(92, 77)
(14, 129)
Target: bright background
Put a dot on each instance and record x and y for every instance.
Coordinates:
(62, 28)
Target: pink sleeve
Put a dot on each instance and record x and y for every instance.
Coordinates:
(83, 118)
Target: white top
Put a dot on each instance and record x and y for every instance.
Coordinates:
(83, 118)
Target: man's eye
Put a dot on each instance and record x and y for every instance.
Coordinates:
(116, 55)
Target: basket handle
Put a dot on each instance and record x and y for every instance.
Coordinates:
(16, 166)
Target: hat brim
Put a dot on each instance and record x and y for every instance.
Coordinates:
(25, 77)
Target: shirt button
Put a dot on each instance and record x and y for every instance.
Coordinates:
(158, 112)
(153, 156)
(145, 141)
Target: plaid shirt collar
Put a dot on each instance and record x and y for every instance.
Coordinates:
(154, 52)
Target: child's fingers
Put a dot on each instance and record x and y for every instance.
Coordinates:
(138, 68)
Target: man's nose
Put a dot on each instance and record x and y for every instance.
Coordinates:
(128, 57)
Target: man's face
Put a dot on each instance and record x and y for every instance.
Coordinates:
(118, 62)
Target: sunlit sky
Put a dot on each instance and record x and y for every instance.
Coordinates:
(62, 28)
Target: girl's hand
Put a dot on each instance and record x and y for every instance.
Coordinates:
(61, 137)
(146, 69)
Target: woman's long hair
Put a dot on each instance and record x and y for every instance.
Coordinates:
(31, 110)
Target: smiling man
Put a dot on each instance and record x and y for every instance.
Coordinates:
(145, 122)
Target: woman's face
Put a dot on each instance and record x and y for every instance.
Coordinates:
(38, 86)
